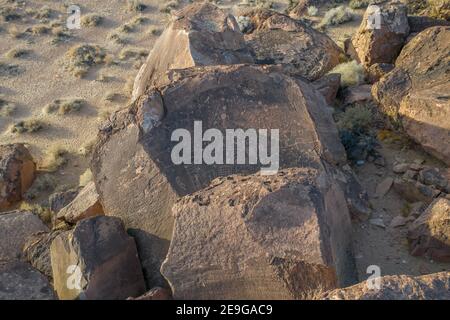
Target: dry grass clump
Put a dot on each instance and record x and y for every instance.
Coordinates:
(336, 16)
(114, 96)
(6, 107)
(27, 126)
(40, 29)
(64, 106)
(17, 53)
(9, 70)
(87, 147)
(352, 73)
(15, 33)
(85, 178)
(135, 6)
(168, 7)
(91, 20)
(43, 13)
(60, 34)
(82, 57)
(356, 119)
(117, 38)
(312, 11)
(42, 183)
(9, 14)
(132, 53)
(44, 213)
(55, 157)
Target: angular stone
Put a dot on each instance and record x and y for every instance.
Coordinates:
(17, 171)
(356, 94)
(377, 71)
(15, 228)
(85, 205)
(261, 237)
(59, 200)
(132, 162)
(414, 191)
(419, 23)
(200, 34)
(302, 51)
(398, 221)
(383, 187)
(433, 177)
(399, 287)
(400, 167)
(96, 260)
(429, 235)
(19, 281)
(37, 251)
(328, 86)
(381, 45)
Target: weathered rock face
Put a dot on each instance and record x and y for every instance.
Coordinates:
(429, 287)
(420, 23)
(429, 235)
(383, 44)
(97, 260)
(301, 50)
(59, 200)
(328, 86)
(15, 228)
(261, 237)
(201, 34)
(378, 70)
(132, 166)
(85, 205)
(17, 171)
(416, 94)
(414, 191)
(358, 93)
(37, 251)
(19, 281)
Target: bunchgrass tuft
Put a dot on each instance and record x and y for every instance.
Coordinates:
(352, 73)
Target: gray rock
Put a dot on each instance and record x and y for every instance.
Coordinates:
(19, 281)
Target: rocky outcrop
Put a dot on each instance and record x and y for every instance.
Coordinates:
(429, 287)
(429, 235)
(381, 43)
(15, 228)
(261, 237)
(17, 171)
(134, 151)
(415, 94)
(96, 260)
(19, 281)
(302, 51)
(201, 34)
(377, 71)
(85, 205)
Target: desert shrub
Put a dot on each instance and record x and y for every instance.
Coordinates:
(9, 14)
(352, 73)
(85, 178)
(15, 33)
(43, 13)
(40, 29)
(117, 38)
(82, 57)
(17, 53)
(312, 11)
(91, 20)
(60, 34)
(357, 118)
(9, 70)
(132, 53)
(135, 6)
(42, 183)
(6, 107)
(55, 157)
(155, 31)
(64, 106)
(337, 16)
(27, 126)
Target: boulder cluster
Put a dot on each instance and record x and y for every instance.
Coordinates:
(146, 228)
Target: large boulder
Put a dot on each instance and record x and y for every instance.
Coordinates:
(19, 281)
(85, 205)
(96, 260)
(17, 171)
(278, 39)
(429, 235)
(132, 166)
(429, 287)
(15, 228)
(201, 34)
(381, 43)
(261, 237)
(415, 93)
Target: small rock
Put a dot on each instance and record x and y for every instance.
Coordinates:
(383, 187)
(410, 174)
(377, 222)
(356, 94)
(380, 161)
(416, 167)
(415, 191)
(398, 221)
(59, 200)
(433, 177)
(400, 168)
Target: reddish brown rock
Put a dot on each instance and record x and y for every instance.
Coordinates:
(17, 172)
(135, 147)
(378, 70)
(429, 235)
(301, 50)
(381, 45)
(414, 191)
(355, 94)
(328, 86)
(261, 237)
(429, 287)
(85, 205)
(96, 260)
(201, 34)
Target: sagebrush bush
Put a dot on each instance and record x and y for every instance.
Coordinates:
(27, 126)
(91, 20)
(64, 106)
(42, 183)
(357, 118)
(55, 157)
(352, 73)
(337, 16)
(312, 11)
(6, 107)
(82, 57)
